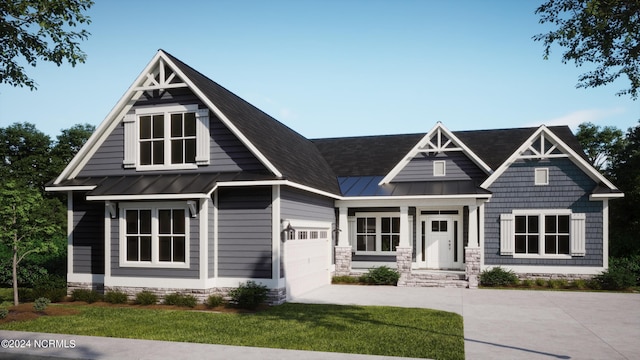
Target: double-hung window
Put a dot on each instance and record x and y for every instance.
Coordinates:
(171, 137)
(542, 233)
(154, 235)
(377, 232)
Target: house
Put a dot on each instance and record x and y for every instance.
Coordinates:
(187, 187)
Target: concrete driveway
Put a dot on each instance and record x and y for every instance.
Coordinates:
(515, 324)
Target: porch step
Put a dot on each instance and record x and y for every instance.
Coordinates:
(443, 279)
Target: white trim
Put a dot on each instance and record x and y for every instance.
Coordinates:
(86, 278)
(204, 239)
(378, 234)
(541, 176)
(273, 182)
(107, 245)
(560, 145)
(216, 224)
(146, 197)
(69, 188)
(275, 232)
(155, 262)
(605, 234)
(69, 233)
(437, 130)
(605, 197)
(532, 269)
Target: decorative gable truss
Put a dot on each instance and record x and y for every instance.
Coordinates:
(438, 140)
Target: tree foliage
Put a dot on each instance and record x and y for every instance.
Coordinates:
(600, 32)
(600, 144)
(33, 30)
(25, 226)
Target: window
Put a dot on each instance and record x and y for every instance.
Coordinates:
(542, 176)
(542, 233)
(439, 168)
(439, 226)
(154, 235)
(175, 137)
(379, 233)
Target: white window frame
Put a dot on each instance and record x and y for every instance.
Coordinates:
(577, 233)
(132, 137)
(155, 236)
(541, 176)
(437, 165)
(378, 234)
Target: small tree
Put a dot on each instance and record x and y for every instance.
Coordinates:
(24, 226)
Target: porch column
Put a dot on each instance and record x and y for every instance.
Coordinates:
(343, 249)
(472, 251)
(404, 249)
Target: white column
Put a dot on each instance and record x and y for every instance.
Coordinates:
(404, 227)
(473, 226)
(343, 225)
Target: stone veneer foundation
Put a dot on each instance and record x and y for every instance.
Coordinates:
(343, 260)
(472, 266)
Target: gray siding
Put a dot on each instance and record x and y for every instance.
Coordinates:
(194, 256)
(227, 153)
(88, 235)
(568, 188)
(300, 205)
(244, 232)
(458, 167)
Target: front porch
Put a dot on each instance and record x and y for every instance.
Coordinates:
(430, 246)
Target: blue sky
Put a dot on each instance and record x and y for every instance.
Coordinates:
(331, 68)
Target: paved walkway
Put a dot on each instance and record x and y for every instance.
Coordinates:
(498, 324)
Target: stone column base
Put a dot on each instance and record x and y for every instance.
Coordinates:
(403, 259)
(343, 260)
(472, 270)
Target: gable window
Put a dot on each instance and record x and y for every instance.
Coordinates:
(169, 137)
(542, 176)
(154, 235)
(542, 233)
(377, 232)
(439, 168)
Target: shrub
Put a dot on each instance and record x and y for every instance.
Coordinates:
(3, 313)
(41, 304)
(615, 278)
(55, 295)
(86, 295)
(541, 282)
(345, 279)
(527, 283)
(146, 298)
(52, 287)
(579, 284)
(498, 277)
(25, 295)
(557, 283)
(178, 299)
(248, 295)
(382, 275)
(214, 301)
(116, 297)
(629, 264)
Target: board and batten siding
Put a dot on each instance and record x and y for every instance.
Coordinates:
(569, 188)
(157, 272)
(227, 154)
(244, 232)
(458, 167)
(88, 235)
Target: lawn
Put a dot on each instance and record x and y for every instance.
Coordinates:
(376, 330)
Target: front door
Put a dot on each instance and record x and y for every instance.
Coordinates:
(442, 242)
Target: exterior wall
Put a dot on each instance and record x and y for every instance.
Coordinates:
(568, 188)
(88, 235)
(244, 232)
(458, 167)
(154, 272)
(227, 153)
(296, 204)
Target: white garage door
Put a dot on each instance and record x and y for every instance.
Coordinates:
(307, 259)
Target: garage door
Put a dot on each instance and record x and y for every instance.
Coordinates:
(307, 259)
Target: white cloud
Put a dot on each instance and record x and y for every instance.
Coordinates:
(576, 118)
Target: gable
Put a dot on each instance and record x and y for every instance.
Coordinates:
(544, 144)
(436, 152)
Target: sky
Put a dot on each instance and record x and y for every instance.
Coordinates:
(331, 68)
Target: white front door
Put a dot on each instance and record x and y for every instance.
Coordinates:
(442, 241)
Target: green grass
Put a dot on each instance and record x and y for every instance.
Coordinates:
(389, 331)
